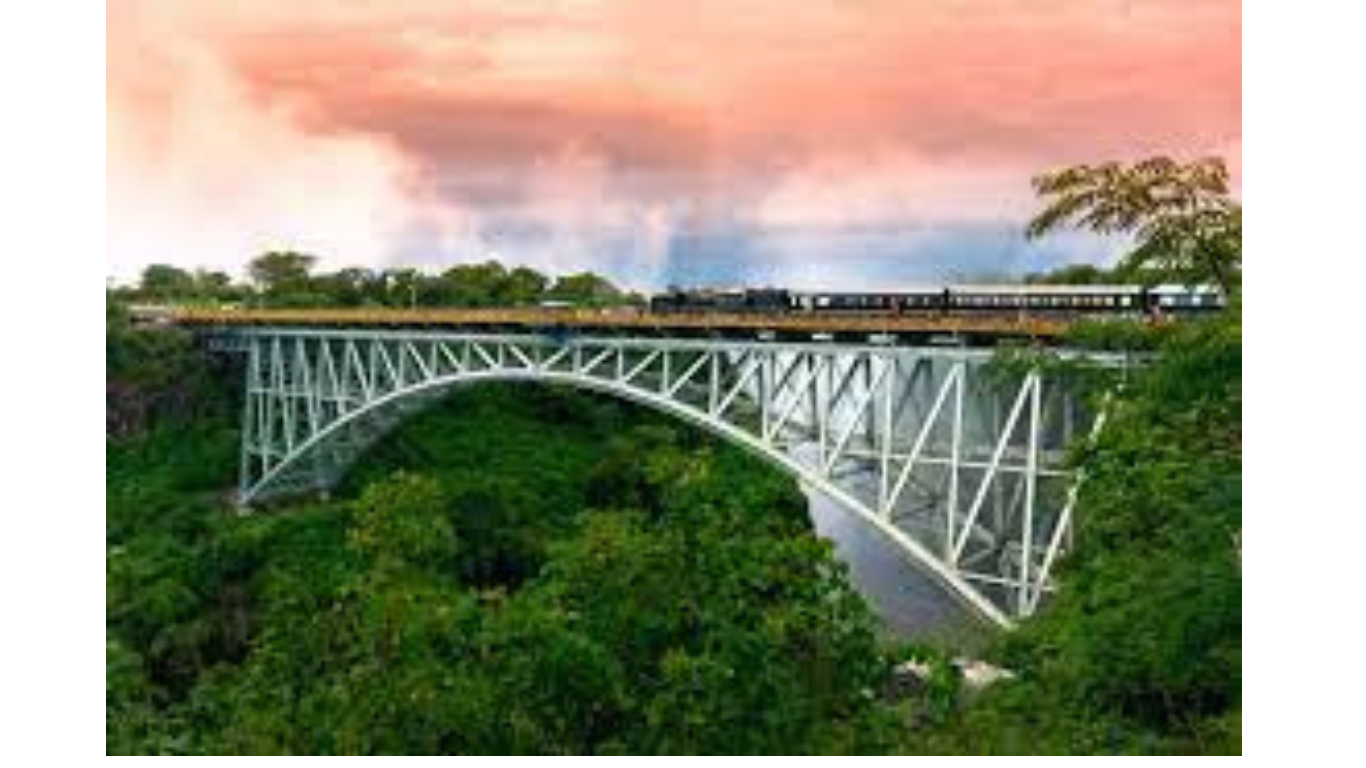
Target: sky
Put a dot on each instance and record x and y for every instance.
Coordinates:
(823, 144)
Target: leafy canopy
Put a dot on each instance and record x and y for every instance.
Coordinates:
(1185, 225)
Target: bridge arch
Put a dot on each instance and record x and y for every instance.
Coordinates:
(317, 399)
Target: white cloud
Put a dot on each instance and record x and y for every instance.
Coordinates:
(893, 185)
(200, 174)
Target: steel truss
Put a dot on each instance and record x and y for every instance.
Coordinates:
(957, 464)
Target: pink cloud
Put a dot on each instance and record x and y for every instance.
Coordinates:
(358, 127)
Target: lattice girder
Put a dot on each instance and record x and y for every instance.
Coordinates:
(961, 469)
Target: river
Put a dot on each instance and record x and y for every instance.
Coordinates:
(910, 604)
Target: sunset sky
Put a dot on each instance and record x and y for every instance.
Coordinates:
(858, 143)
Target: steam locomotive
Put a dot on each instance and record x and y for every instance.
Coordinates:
(977, 299)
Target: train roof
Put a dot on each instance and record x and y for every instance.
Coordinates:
(1048, 290)
(1016, 289)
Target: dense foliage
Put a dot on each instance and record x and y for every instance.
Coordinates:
(1141, 649)
(1186, 226)
(289, 279)
(484, 584)
(544, 571)
(156, 377)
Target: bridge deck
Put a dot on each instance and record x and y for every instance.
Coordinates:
(926, 323)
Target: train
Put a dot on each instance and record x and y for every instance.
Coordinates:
(1068, 300)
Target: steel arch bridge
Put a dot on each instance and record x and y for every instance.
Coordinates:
(959, 465)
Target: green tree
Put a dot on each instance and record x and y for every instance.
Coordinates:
(163, 282)
(524, 286)
(350, 287)
(1185, 225)
(585, 288)
(282, 274)
(403, 287)
(404, 521)
(213, 285)
(476, 285)
(1072, 274)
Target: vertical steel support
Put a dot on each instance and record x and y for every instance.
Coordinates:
(714, 388)
(252, 374)
(765, 379)
(825, 411)
(889, 387)
(1031, 488)
(955, 455)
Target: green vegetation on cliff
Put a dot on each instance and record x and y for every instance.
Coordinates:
(544, 571)
(1140, 650)
(485, 582)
